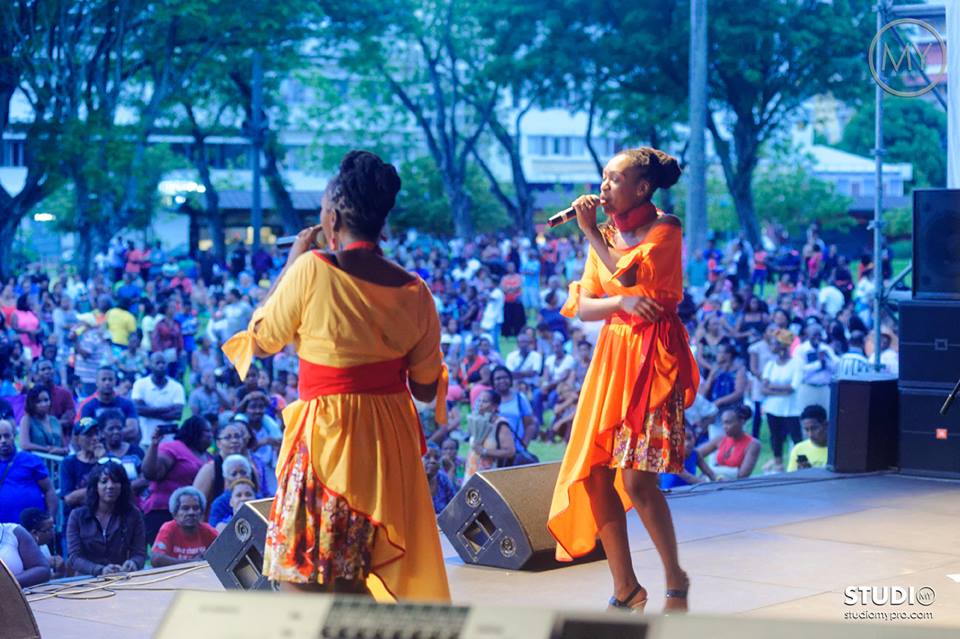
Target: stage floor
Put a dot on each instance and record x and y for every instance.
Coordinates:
(780, 547)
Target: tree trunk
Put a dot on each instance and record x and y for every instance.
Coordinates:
(290, 217)
(461, 205)
(8, 229)
(743, 200)
(212, 214)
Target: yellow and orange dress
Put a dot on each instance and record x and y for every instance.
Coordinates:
(352, 500)
(641, 377)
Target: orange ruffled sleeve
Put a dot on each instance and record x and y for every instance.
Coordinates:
(589, 283)
(276, 322)
(655, 258)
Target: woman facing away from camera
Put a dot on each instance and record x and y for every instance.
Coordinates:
(628, 426)
(353, 511)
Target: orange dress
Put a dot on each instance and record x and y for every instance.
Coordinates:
(641, 377)
(353, 499)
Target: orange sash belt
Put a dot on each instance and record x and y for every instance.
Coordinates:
(665, 353)
(376, 378)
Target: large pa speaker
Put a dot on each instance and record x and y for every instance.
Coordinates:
(863, 432)
(929, 441)
(236, 556)
(936, 243)
(929, 342)
(16, 618)
(499, 518)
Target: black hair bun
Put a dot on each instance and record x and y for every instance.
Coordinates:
(366, 188)
(669, 172)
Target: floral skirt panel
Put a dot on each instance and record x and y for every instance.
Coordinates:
(314, 536)
(658, 448)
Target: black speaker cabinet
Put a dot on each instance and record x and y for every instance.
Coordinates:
(936, 243)
(863, 429)
(236, 556)
(499, 518)
(929, 342)
(16, 617)
(929, 441)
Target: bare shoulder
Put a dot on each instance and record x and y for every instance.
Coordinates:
(668, 220)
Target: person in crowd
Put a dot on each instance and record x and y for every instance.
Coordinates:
(130, 456)
(208, 398)
(39, 430)
(629, 422)
(75, 468)
(239, 491)
(167, 339)
(516, 409)
(694, 461)
(491, 439)
(812, 451)
(25, 322)
(514, 315)
(708, 342)
(93, 352)
(727, 381)
(133, 361)
(26, 482)
(760, 352)
(854, 362)
(269, 436)
(158, 398)
(185, 537)
(451, 462)
(233, 438)
(736, 451)
(442, 489)
(781, 380)
(62, 406)
(170, 465)
(563, 412)
(21, 555)
(106, 536)
(819, 362)
(557, 368)
(41, 527)
(234, 467)
(889, 358)
(385, 339)
(106, 398)
(525, 363)
(120, 323)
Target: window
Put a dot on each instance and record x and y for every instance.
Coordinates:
(13, 153)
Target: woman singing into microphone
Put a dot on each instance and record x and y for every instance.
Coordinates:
(628, 425)
(353, 511)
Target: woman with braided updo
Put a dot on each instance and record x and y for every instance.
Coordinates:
(628, 425)
(353, 511)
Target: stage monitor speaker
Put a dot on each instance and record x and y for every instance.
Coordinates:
(236, 556)
(936, 243)
(929, 342)
(499, 518)
(863, 430)
(929, 441)
(16, 617)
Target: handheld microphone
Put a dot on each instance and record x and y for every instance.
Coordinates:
(285, 242)
(952, 396)
(562, 217)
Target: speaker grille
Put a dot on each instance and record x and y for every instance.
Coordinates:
(936, 243)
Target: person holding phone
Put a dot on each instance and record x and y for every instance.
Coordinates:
(812, 451)
(819, 364)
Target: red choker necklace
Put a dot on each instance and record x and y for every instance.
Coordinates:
(364, 246)
(634, 218)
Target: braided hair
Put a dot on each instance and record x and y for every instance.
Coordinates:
(364, 191)
(652, 164)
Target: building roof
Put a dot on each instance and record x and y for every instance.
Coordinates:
(830, 160)
(242, 199)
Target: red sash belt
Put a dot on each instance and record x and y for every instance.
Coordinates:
(376, 378)
(660, 341)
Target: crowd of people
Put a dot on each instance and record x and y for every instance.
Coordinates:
(125, 437)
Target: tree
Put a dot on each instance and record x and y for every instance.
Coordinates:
(765, 61)
(914, 131)
(428, 54)
(423, 204)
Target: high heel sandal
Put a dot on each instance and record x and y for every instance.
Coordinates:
(625, 604)
(678, 593)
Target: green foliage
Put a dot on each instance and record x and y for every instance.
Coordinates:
(424, 205)
(898, 223)
(914, 131)
(787, 192)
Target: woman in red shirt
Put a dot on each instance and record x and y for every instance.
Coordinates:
(514, 315)
(737, 452)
